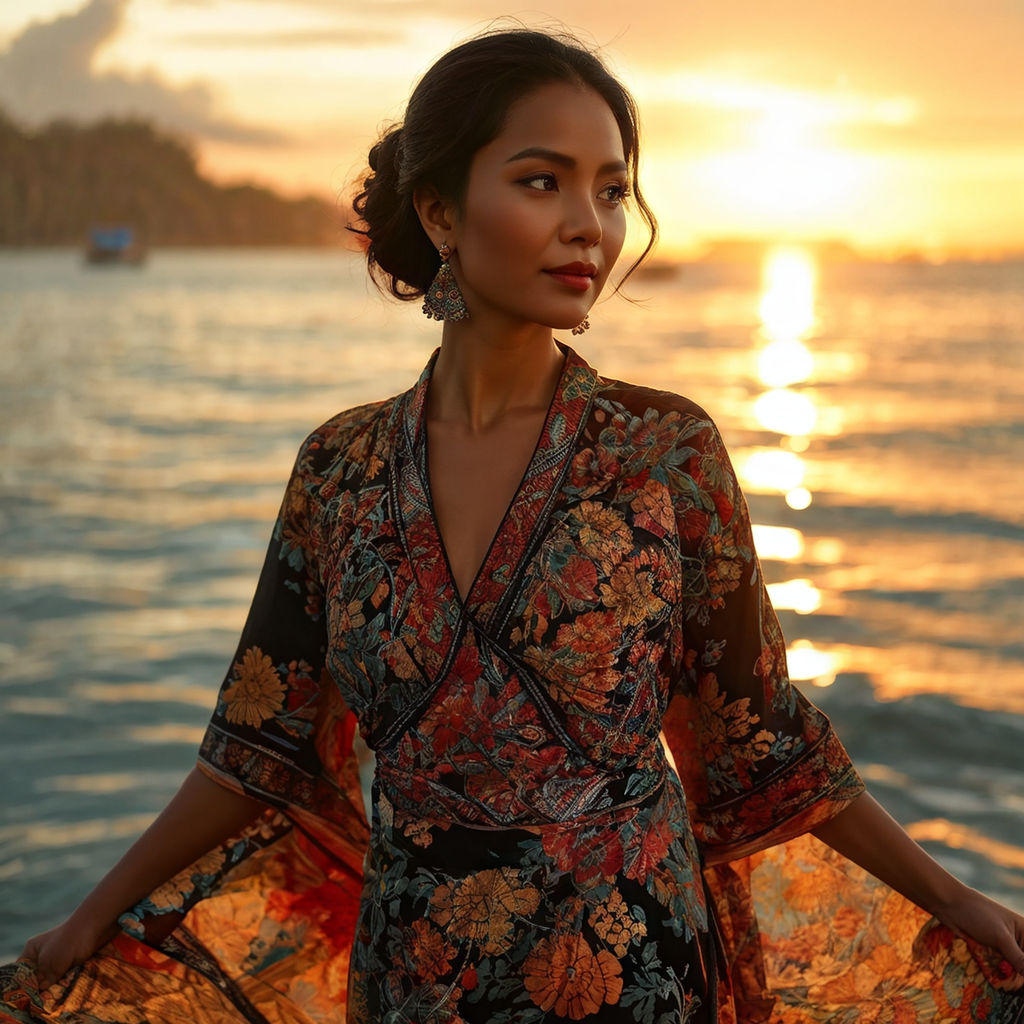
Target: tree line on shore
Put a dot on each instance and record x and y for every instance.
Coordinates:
(58, 182)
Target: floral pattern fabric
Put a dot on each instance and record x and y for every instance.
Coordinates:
(583, 769)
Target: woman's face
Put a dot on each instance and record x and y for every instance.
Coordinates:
(542, 222)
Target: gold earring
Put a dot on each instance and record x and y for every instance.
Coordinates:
(582, 327)
(443, 300)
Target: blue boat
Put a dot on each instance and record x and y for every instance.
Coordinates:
(115, 244)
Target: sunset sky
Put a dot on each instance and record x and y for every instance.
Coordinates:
(890, 123)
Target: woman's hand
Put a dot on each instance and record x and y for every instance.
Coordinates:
(201, 815)
(990, 924)
(865, 833)
(55, 952)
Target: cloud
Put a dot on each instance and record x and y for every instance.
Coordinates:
(47, 72)
(302, 38)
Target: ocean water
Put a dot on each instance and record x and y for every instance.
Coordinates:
(875, 414)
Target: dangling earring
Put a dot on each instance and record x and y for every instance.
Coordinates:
(443, 300)
(583, 327)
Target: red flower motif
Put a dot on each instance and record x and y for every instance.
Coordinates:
(593, 470)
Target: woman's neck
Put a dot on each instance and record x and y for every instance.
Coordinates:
(476, 381)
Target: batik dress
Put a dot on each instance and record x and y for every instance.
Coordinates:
(561, 758)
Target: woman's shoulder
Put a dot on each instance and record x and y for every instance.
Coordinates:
(649, 402)
(348, 424)
(348, 436)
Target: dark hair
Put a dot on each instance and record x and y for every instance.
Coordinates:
(458, 107)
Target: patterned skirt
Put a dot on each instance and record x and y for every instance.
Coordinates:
(462, 924)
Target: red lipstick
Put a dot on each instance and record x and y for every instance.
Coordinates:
(574, 275)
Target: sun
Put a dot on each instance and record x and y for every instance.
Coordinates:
(787, 179)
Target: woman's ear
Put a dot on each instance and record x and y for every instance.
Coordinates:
(437, 215)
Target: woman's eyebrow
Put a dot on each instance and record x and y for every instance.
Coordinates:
(540, 152)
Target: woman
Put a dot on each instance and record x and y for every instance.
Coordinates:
(517, 577)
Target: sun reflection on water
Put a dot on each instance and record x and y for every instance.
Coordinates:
(768, 470)
(785, 362)
(808, 663)
(786, 412)
(787, 302)
(781, 543)
(788, 316)
(800, 596)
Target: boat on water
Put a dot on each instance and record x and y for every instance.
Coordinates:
(118, 244)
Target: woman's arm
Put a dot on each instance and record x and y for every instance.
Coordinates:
(866, 834)
(199, 816)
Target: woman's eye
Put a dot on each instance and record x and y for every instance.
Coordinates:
(614, 193)
(541, 182)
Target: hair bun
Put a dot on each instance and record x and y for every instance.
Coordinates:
(396, 243)
(386, 155)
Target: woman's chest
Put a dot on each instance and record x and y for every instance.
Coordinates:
(586, 617)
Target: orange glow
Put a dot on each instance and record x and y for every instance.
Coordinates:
(786, 412)
(962, 837)
(771, 470)
(808, 663)
(781, 543)
(785, 179)
(787, 308)
(789, 279)
(799, 498)
(785, 362)
(800, 596)
(887, 156)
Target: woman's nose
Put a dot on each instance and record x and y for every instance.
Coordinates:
(582, 222)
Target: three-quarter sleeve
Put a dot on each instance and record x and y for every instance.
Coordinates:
(759, 763)
(263, 737)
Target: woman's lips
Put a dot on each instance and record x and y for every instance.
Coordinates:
(578, 282)
(574, 275)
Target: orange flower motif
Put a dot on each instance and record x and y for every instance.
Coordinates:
(653, 508)
(805, 891)
(900, 919)
(591, 635)
(482, 907)
(429, 953)
(232, 926)
(631, 594)
(257, 692)
(579, 669)
(724, 571)
(848, 921)
(603, 534)
(563, 973)
(613, 923)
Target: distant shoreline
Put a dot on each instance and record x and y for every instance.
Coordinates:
(663, 268)
(59, 182)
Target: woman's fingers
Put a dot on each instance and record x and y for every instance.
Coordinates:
(48, 964)
(1000, 930)
(1009, 938)
(1013, 948)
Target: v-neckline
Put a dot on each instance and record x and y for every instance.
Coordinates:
(564, 419)
(466, 599)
